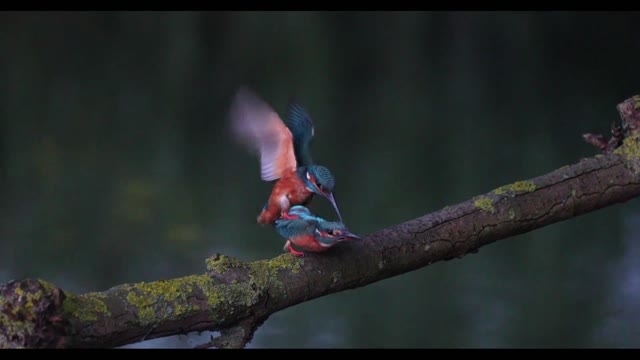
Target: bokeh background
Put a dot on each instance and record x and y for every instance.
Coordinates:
(116, 165)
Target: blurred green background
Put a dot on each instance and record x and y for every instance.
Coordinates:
(116, 164)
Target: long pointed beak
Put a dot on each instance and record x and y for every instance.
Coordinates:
(333, 202)
(346, 235)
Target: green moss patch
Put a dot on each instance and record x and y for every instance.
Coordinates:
(86, 307)
(516, 187)
(485, 204)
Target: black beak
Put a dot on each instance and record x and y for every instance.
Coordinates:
(346, 235)
(332, 200)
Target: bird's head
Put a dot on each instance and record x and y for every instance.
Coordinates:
(320, 180)
(328, 233)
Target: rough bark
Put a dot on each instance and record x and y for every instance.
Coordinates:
(236, 297)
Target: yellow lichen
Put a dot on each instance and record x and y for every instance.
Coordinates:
(285, 262)
(157, 300)
(17, 314)
(206, 285)
(512, 214)
(86, 307)
(47, 287)
(144, 303)
(219, 264)
(10, 326)
(485, 204)
(265, 272)
(30, 298)
(261, 273)
(630, 148)
(169, 297)
(516, 187)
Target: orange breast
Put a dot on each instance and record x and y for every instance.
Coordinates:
(308, 242)
(293, 188)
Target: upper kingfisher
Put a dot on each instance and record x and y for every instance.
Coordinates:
(310, 232)
(284, 154)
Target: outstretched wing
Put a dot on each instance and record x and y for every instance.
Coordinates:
(257, 126)
(301, 126)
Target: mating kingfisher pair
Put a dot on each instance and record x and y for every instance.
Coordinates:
(284, 151)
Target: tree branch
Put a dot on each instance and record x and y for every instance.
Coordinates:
(236, 297)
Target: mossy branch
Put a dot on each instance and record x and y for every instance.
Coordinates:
(236, 297)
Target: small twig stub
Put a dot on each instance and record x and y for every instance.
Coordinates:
(629, 111)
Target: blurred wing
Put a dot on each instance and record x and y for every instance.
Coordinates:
(301, 126)
(257, 126)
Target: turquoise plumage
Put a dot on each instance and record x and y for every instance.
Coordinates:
(310, 232)
(302, 130)
(301, 127)
(316, 178)
(302, 222)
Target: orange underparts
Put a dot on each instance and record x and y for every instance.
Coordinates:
(288, 185)
(308, 242)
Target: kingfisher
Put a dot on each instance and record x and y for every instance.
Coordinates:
(284, 154)
(310, 232)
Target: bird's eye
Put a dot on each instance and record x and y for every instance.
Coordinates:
(320, 187)
(330, 232)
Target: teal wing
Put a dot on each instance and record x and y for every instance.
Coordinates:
(301, 211)
(301, 127)
(289, 228)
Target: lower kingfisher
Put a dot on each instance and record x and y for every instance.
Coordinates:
(310, 232)
(284, 154)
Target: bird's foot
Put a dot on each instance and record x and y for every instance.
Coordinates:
(294, 251)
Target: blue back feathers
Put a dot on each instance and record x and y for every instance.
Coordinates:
(302, 211)
(301, 127)
(308, 224)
